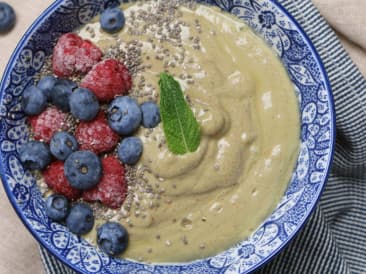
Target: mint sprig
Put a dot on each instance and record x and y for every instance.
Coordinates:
(181, 129)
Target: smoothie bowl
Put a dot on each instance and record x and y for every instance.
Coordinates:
(206, 136)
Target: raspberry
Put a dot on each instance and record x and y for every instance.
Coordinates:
(55, 178)
(46, 124)
(96, 135)
(112, 188)
(73, 55)
(108, 79)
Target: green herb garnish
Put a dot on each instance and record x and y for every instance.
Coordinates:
(181, 128)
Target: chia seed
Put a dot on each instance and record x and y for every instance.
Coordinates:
(185, 240)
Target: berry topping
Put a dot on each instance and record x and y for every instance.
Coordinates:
(46, 84)
(112, 189)
(46, 124)
(35, 155)
(112, 238)
(96, 135)
(62, 145)
(108, 79)
(80, 219)
(150, 114)
(33, 101)
(112, 20)
(73, 55)
(55, 178)
(130, 150)
(83, 169)
(7, 17)
(84, 104)
(57, 207)
(124, 115)
(60, 95)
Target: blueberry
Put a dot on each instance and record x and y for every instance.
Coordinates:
(66, 82)
(112, 238)
(84, 104)
(112, 20)
(150, 114)
(35, 155)
(124, 115)
(83, 169)
(7, 17)
(62, 145)
(80, 219)
(61, 93)
(57, 207)
(130, 150)
(46, 84)
(33, 101)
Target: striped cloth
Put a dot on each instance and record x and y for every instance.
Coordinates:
(334, 238)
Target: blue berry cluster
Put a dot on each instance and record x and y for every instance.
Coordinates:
(62, 93)
(79, 218)
(83, 104)
(125, 116)
(112, 238)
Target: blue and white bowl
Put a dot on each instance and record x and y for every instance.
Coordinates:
(306, 71)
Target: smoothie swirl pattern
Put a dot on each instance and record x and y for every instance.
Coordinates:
(247, 109)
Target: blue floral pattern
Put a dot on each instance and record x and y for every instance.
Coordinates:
(317, 141)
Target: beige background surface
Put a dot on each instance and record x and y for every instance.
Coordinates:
(18, 250)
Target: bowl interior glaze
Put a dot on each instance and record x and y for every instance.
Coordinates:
(306, 71)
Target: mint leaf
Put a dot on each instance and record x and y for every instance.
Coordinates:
(181, 128)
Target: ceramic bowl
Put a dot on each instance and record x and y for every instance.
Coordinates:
(306, 71)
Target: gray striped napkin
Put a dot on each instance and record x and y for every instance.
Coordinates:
(334, 238)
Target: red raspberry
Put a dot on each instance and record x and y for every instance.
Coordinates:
(96, 135)
(46, 124)
(55, 178)
(73, 55)
(112, 189)
(108, 79)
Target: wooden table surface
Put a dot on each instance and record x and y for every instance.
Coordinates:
(18, 250)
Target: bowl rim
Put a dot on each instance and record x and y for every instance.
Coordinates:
(50, 9)
(297, 230)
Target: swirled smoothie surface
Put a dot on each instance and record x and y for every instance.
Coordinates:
(186, 207)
